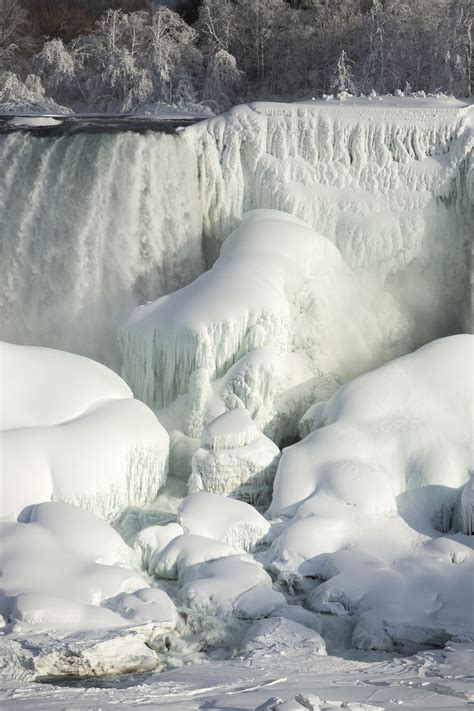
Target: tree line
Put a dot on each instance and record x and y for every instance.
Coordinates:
(121, 54)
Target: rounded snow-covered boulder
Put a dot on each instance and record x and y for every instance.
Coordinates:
(278, 635)
(218, 584)
(71, 431)
(50, 578)
(228, 520)
(153, 539)
(187, 550)
(235, 459)
(80, 531)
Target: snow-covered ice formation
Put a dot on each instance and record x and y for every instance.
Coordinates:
(374, 501)
(54, 576)
(279, 306)
(99, 223)
(71, 431)
(235, 459)
(227, 520)
(387, 181)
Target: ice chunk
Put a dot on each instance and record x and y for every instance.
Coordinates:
(231, 430)
(259, 602)
(185, 551)
(120, 654)
(218, 584)
(72, 432)
(153, 539)
(236, 459)
(278, 635)
(227, 520)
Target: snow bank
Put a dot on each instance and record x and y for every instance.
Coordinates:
(227, 520)
(236, 459)
(217, 585)
(187, 550)
(374, 500)
(71, 431)
(51, 577)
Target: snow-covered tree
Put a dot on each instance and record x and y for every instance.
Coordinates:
(342, 80)
(222, 80)
(16, 35)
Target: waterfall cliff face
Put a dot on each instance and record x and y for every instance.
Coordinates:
(391, 186)
(93, 225)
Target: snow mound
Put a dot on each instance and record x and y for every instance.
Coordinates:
(81, 532)
(277, 317)
(223, 519)
(278, 635)
(217, 585)
(145, 606)
(71, 431)
(50, 577)
(185, 551)
(153, 539)
(374, 501)
(235, 459)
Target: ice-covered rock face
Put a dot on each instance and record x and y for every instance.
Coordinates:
(387, 182)
(71, 431)
(280, 293)
(227, 520)
(361, 498)
(235, 459)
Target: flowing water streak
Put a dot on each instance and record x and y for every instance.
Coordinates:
(93, 225)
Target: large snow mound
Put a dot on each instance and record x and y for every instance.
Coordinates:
(52, 576)
(278, 309)
(71, 431)
(374, 500)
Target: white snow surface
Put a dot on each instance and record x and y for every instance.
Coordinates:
(353, 253)
(235, 459)
(71, 431)
(224, 519)
(372, 500)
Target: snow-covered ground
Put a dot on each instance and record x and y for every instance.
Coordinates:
(283, 513)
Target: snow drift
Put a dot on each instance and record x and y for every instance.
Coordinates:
(71, 431)
(374, 500)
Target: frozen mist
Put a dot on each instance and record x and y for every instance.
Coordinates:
(271, 507)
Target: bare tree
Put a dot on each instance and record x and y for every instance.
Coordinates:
(16, 36)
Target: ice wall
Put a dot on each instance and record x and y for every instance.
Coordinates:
(91, 226)
(389, 181)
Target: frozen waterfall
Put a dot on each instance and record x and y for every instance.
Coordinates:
(92, 226)
(96, 224)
